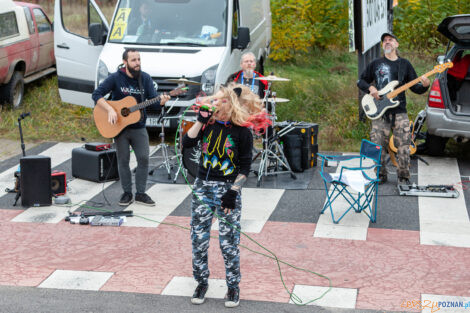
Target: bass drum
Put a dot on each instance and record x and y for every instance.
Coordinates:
(191, 157)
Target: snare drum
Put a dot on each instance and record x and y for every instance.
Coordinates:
(186, 125)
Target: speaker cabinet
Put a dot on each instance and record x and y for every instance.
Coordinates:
(35, 180)
(58, 183)
(308, 132)
(97, 166)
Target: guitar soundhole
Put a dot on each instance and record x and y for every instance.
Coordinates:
(125, 112)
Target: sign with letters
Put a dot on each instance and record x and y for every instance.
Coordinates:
(374, 22)
(120, 24)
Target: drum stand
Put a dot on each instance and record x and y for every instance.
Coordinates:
(272, 156)
(181, 168)
(167, 160)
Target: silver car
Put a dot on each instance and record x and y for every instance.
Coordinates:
(448, 107)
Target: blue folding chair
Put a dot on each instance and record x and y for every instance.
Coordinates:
(358, 201)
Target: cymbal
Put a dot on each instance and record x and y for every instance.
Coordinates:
(278, 100)
(273, 78)
(182, 80)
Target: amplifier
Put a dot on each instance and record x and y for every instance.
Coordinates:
(97, 166)
(97, 146)
(308, 132)
(58, 183)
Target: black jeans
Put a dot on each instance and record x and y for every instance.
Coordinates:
(138, 139)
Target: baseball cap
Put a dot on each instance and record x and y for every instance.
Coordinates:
(388, 34)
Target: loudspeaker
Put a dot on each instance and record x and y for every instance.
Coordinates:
(35, 180)
(293, 151)
(308, 132)
(58, 183)
(97, 166)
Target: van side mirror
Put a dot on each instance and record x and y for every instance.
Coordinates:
(243, 39)
(96, 33)
(441, 59)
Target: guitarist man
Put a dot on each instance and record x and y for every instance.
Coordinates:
(130, 81)
(382, 71)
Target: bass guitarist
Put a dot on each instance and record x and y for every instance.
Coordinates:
(130, 81)
(382, 71)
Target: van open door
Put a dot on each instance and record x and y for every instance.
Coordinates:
(78, 45)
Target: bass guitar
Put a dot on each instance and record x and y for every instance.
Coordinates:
(375, 108)
(128, 112)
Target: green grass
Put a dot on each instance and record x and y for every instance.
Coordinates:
(322, 89)
(51, 119)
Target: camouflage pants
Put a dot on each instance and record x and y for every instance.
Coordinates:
(210, 192)
(380, 134)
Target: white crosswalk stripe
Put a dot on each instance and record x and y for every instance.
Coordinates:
(257, 207)
(167, 197)
(443, 221)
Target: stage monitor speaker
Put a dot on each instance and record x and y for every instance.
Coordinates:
(58, 183)
(97, 166)
(35, 180)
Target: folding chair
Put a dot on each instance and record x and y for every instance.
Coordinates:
(356, 186)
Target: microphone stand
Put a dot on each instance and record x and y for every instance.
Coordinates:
(17, 188)
(163, 146)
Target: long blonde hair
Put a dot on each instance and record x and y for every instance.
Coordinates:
(238, 105)
(241, 107)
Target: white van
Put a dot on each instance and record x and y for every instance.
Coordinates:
(201, 40)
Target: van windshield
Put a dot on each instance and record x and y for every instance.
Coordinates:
(170, 22)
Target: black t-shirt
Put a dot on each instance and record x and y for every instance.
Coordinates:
(226, 151)
(383, 71)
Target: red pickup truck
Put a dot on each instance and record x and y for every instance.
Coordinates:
(26, 49)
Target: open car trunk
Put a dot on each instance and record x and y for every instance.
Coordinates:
(462, 103)
(459, 88)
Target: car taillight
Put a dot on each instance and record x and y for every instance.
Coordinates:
(435, 96)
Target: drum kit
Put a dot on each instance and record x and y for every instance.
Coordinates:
(272, 158)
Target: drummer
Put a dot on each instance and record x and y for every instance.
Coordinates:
(248, 74)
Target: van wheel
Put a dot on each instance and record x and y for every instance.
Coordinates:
(435, 144)
(13, 92)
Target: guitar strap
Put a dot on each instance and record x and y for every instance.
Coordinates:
(401, 77)
(142, 99)
(401, 71)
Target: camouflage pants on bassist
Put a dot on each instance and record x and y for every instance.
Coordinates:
(380, 134)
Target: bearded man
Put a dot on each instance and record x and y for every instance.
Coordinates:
(130, 81)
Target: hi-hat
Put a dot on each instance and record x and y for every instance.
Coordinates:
(182, 80)
(272, 78)
(278, 100)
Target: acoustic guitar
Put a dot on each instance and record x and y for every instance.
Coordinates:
(375, 108)
(128, 112)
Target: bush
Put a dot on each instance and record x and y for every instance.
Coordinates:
(301, 24)
(416, 21)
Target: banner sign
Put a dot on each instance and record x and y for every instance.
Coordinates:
(374, 22)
